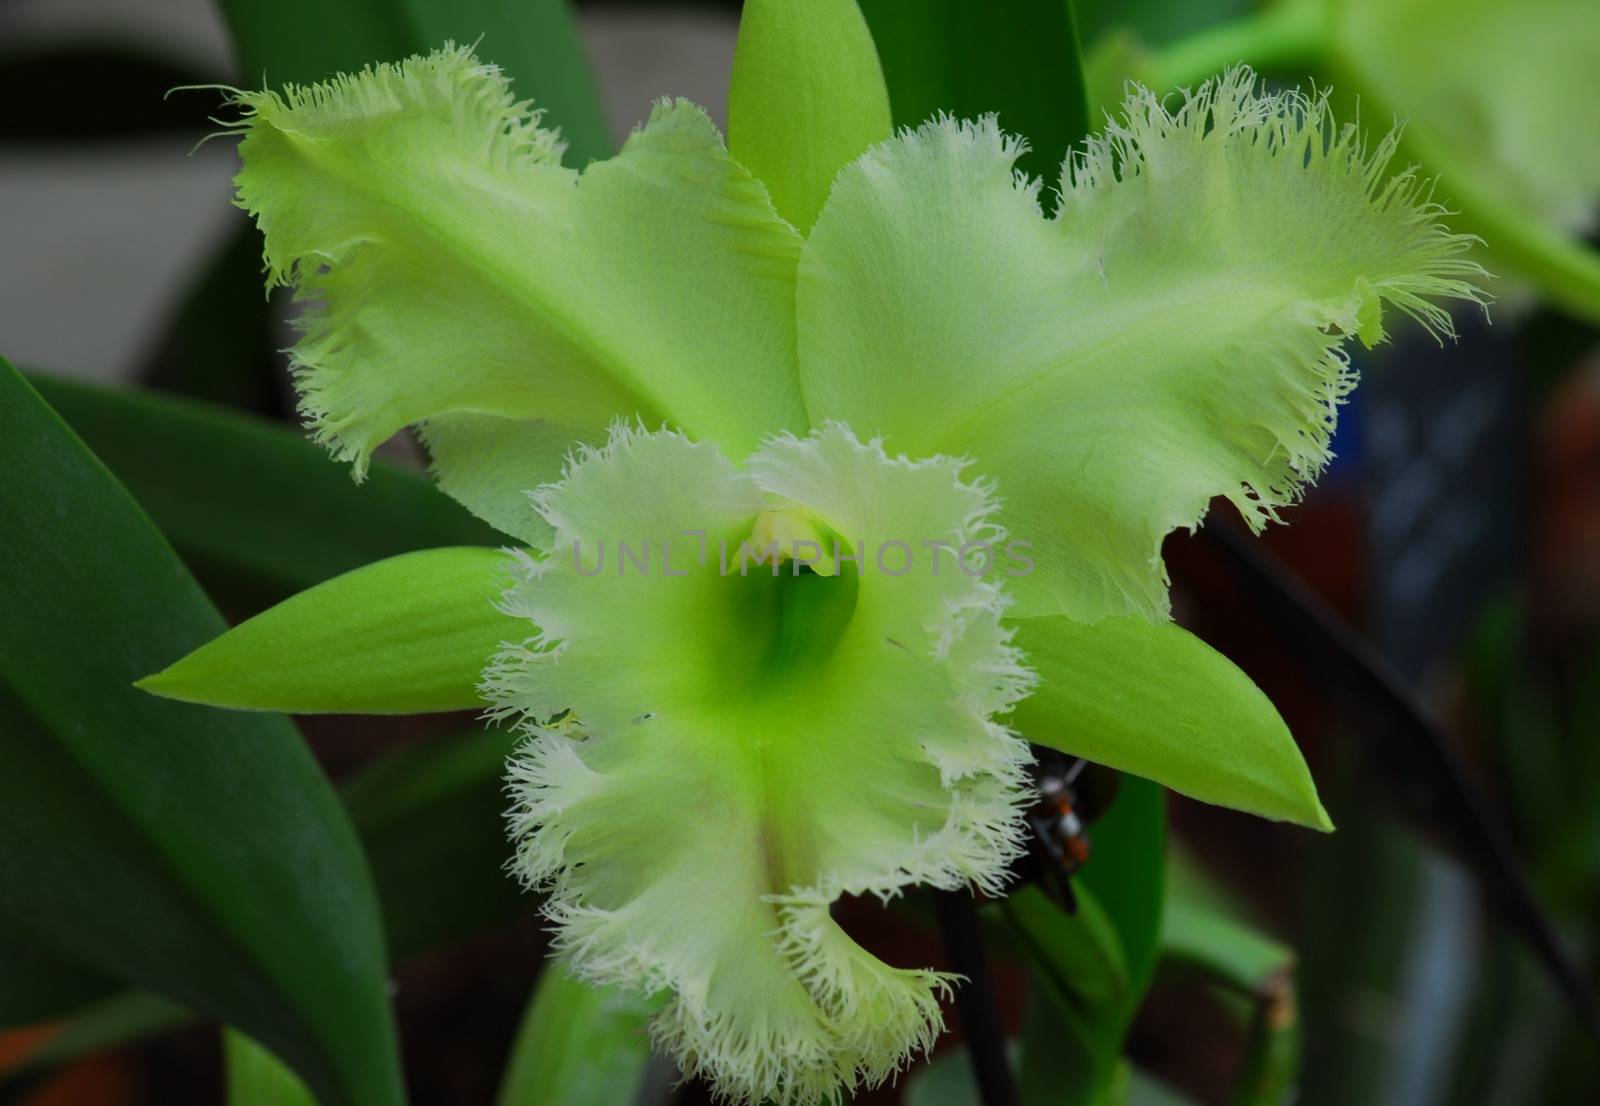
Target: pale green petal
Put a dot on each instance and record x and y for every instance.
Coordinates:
(1510, 90)
(1173, 334)
(400, 636)
(743, 749)
(1157, 701)
(1499, 100)
(491, 464)
(455, 267)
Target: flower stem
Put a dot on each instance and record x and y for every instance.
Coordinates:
(1291, 35)
(976, 1000)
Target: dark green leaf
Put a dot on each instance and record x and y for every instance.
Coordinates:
(1157, 21)
(36, 985)
(432, 818)
(247, 500)
(1089, 972)
(1018, 58)
(195, 853)
(1080, 1001)
(534, 41)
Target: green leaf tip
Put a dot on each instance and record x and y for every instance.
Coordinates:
(406, 635)
(1156, 701)
(807, 97)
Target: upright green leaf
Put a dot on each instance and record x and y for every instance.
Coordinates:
(579, 1045)
(1089, 972)
(534, 41)
(1128, 873)
(1019, 58)
(197, 854)
(1081, 1002)
(806, 98)
(251, 505)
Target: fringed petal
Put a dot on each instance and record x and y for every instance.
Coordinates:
(1173, 334)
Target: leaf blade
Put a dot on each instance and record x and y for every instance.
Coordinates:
(251, 504)
(406, 635)
(197, 855)
(1021, 59)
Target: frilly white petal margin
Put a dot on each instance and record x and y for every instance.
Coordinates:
(708, 797)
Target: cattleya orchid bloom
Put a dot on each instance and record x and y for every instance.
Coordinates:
(816, 519)
(1498, 101)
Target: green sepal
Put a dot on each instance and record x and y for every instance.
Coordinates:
(1155, 700)
(402, 636)
(806, 98)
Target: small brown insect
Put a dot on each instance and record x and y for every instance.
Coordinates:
(1060, 841)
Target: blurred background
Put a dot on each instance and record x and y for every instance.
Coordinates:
(1393, 962)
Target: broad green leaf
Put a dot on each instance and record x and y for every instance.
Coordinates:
(199, 855)
(257, 1078)
(460, 272)
(1173, 334)
(402, 636)
(1018, 58)
(432, 821)
(36, 985)
(579, 1045)
(251, 505)
(1498, 100)
(1157, 701)
(432, 824)
(534, 41)
(806, 98)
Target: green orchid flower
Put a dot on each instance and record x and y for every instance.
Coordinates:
(1497, 101)
(820, 508)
